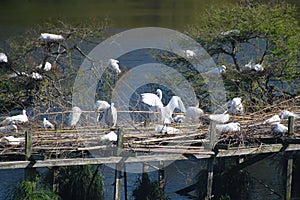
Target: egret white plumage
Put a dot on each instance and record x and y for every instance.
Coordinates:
(250, 67)
(111, 137)
(11, 140)
(164, 129)
(36, 76)
(272, 120)
(74, 116)
(47, 124)
(18, 119)
(230, 127)
(218, 70)
(279, 128)
(193, 113)
(9, 128)
(189, 53)
(236, 106)
(100, 107)
(3, 58)
(114, 64)
(165, 111)
(47, 67)
(153, 99)
(219, 118)
(49, 37)
(285, 114)
(178, 118)
(110, 115)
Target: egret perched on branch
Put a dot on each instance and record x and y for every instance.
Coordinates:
(18, 119)
(111, 137)
(189, 53)
(230, 127)
(47, 124)
(49, 37)
(285, 114)
(9, 128)
(74, 116)
(236, 106)
(114, 64)
(110, 115)
(279, 128)
(100, 107)
(164, 129)
(165, 111)
(153, 99)
(219, 118)
(11, 140)
(218, 70)
(47, 67)
(3, 58)
(272, 120)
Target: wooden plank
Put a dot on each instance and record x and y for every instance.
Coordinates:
(289, 176)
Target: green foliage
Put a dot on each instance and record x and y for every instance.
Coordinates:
(265, 33)
(30, 190)
(79, 182)
(147, 189)
(17, 87)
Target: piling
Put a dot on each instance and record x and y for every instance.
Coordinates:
(30, 173)
(118, 170)
(289, 175)
(291, 125)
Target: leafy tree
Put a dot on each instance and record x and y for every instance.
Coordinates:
(147, 189)
(264, 33)
(18, 88)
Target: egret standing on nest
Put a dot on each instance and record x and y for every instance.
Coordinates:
(100, 107)
(47, 124)
(110, 115)
(74, 116)
(18, 119)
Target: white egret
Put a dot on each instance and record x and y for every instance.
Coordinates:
(189, 53)
(218, 70)
(250, 67)
(49, 37)
(219, 118)
(114, 64)
(100, 107)
(11, 140)
(18, 119)
(74, 116)
(110, 115)
(230, 127)
(3, 58)
(111, 137)
(193, 113)
(47, 124)
(153, 99)
(178, 118)
(164, 129)
(272, 120)
(280, 128)
(9, 128)
(47, 67)
(285, 114)
(36, 76)
(236, 106)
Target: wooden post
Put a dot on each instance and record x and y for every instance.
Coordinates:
(118, 170)
(125, 182)
(291, 126)
(30, 173)
(212, 135)
(289, 175)
(161, 176)
(210, 175)
(28, 145)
